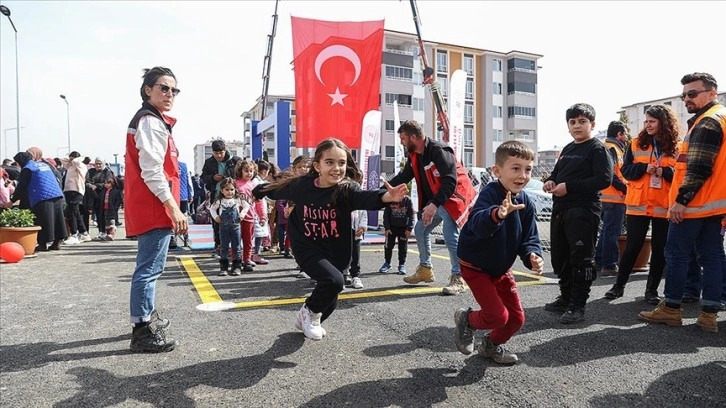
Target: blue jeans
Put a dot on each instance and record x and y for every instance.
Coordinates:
(693, 281)
(606, 251)
(706, 233)
(451, 238)
(229, 235)
(153, 247)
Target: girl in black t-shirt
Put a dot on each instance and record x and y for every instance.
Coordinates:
(320, 224)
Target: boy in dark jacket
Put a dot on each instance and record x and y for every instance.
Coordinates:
(398, 225)
(501, 226)
(583, 169)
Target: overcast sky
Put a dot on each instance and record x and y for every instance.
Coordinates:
(608, 54)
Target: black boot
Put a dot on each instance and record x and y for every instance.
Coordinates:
(615, 292)
(144, 339)
(223, 267)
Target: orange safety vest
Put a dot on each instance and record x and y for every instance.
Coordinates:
(642, 199)
(611, 194)
(711, 198)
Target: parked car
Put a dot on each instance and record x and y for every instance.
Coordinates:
(542, 201)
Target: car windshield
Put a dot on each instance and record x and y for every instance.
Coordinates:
(534, 184)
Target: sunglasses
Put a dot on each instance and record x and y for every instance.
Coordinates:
(692, 94)
(167, 88)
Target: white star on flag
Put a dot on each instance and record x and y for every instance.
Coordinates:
(337, 97)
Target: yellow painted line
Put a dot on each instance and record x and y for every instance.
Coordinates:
(204, 288)
(209, 295)
(345, 295)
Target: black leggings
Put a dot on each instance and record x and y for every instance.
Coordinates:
(637, 230)
(329, 284)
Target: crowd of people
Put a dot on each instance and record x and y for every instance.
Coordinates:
(316, 213)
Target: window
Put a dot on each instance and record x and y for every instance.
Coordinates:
(469, 88)
(526, 136)
(468, 113)
(468, 158)
(498, 135)
(667, 103)
(519, 64)
(520, 111)
(442, 61)
(390, 126)
(390, 98)
(418, 104)
(418, 77)
(497, 88)
(497, 64)
(645, 108)
(399, 73)
(497, 111)
(444, 85)
(390, 151)
(468, 136)
(469, 64)
(439, 133)
(520, 87)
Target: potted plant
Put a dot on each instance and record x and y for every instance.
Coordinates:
(17, 226)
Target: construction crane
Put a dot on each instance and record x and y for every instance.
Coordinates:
(267, 62)
(430, 80)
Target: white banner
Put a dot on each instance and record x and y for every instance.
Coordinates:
(370, 141)
(397, 140)
(457, 91)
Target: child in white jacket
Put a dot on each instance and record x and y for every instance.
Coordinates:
(359, 224)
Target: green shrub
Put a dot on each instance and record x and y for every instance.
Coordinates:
(17, 218)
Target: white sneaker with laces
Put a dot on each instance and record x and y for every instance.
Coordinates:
(72, 240)
(357, 283)
(85, 237)
(300, 317)
(310, 323)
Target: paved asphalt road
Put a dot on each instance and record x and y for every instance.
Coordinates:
(65, 335)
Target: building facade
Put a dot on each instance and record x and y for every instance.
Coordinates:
(635, 113)
(500, 98)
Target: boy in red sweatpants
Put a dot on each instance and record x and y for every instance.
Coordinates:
(501, 226)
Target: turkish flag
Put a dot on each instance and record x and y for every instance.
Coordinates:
(337, 78)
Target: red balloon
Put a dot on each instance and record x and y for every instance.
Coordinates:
(11, 252)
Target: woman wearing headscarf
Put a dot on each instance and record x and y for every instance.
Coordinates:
(37, 155)
(38, 190)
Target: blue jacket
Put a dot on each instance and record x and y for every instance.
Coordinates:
(186, 192)
(43, 185)
(492, 247)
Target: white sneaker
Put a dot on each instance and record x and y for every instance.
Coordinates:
(72, 240)
(85, 237)
(101, 236)
(309, 323)
(357, 284)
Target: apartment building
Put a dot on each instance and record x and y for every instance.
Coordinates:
(636, 112)
(500, 99)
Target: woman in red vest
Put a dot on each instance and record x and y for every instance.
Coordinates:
(151, 204)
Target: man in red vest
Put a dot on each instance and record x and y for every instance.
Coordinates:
(445, 194)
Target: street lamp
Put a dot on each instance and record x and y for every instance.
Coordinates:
(68, 119)
(6, 12)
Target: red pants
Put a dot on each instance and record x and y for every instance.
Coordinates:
(247, 230)
(501, 311)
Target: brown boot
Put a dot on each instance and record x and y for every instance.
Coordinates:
(707, 322)
(456, 285)
(422, 274)
(663, 314)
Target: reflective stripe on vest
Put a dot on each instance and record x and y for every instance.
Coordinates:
(641, 199)
(710, 199)
(611, 194)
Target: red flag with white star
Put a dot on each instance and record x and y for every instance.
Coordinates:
(337, 78)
